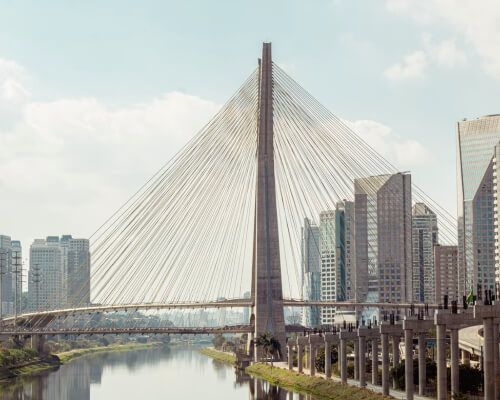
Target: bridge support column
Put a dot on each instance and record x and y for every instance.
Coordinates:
(300, 356)
(442, 390)
(454, 361)
(290, 356)
(343, 361)
(385, 364)
(489, 362)
(496, 331)
(409, 389)
(374, 361)
(38, 343)
(328, 359)
(465, 355)
(362, 361)
(422, 373)
(356, 359)
(312, 359)
(395, 355)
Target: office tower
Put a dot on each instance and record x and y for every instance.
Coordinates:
(446, 272)
(47, 257)
(6, 275)
(424, 238)
(310, 272)
(332, 251)
(17, 273)
(78, 270)
(350, 251)
(476, 181)
(382, 215)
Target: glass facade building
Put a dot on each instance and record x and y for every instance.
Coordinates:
(311, 276)
(476, 181)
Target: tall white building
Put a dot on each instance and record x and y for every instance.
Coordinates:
(10, 274)
(424, 238)
(383, 239)
(350, 251)
(59, 274)
(311, 276)
(47, 257)
(332, 251)
(477, 172)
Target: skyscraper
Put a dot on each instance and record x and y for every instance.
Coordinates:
(6, 274)
(424, 238)
(311, 276)
(446, 272)
(382, 217)
(332, 251)
(59, 274)
(350, 250)
(476, 183)
(46, 256)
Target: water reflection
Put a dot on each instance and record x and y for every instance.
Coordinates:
(152, 374)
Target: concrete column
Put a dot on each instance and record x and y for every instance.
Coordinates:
(328, 360)
(356, 359)
(422, 373)
(489, 363)
(300, 355)
(454, 361)
(496, 359)
(395, 355)
(38, 343)
(343, 361)
(442, 390)
(362, 360)
(312, 360)
(290, 356)
(306, 356)
(409, 364)
(465, 357)
(385, 364)
(374, 361)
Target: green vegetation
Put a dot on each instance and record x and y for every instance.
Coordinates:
(71, 354)
(319, 387)
(270, 346)
(218, 355)
(12, 357)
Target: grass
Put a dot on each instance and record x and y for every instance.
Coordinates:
(227, 358)
(67, 356)
(318, 387)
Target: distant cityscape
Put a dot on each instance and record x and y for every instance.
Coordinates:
(381, 248)
(378, 248)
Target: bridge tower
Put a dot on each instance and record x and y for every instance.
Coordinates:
(267, 293)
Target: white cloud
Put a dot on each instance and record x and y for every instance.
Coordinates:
(406, 153)
(446, 53)
(477, 23)
(68, 164)
(413, 66)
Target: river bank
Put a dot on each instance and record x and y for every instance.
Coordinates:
(29, 362)
(316, 386)
(218, 355)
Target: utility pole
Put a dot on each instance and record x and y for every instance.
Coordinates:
(16, 258)
(3, 265)
(36, 278)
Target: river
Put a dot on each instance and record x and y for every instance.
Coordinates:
(158, 373)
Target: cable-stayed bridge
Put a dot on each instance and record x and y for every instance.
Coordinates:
(223, 218)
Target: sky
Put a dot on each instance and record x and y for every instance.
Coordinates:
(95, 96)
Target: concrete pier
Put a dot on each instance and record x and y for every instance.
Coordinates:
(330, 340)
(374, 361)
(422, 371)
(385, 364)
(343, 360)
(395, 354)
(409, 389)
(362, 360)
(454, 362)
(290, 355)
(442, 390)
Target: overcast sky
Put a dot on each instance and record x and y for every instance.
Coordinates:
(96, 95)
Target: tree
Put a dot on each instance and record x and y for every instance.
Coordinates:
(270, 346)
(218, 341)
